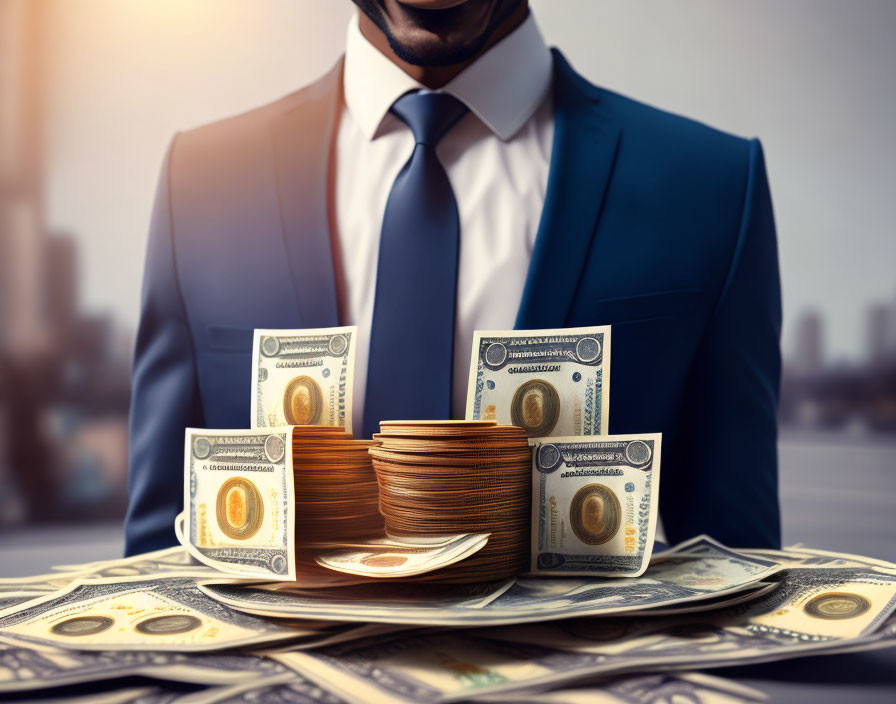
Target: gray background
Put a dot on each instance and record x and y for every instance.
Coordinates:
(812, 78)
(112, 80)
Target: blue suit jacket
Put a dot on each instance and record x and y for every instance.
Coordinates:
(655, 224)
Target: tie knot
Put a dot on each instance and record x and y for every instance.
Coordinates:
(429, 115)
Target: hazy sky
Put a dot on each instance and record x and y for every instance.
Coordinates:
(814, 79)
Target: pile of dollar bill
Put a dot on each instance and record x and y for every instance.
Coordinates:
(455, 500)
(527, 639)
(282, 589)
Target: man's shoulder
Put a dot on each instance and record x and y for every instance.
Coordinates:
(230, 135)
(675, 131)
(669, 138)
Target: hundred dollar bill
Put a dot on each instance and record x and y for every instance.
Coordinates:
(548, 382)
(460, 666)
(811, 611)
(594, 503)
(690, 687)
(138, 614)
(285, 687)
(239, 497)
(402, 561)
(303, 377)
(695, 571)
(29, 668)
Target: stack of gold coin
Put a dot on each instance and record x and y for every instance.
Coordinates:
(336, 490)
(449, 477)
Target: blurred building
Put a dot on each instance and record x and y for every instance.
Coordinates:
(809, 352)
(859, 397)
(63, 378)
(881, 334)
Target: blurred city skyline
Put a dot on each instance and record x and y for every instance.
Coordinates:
(808, 77)
(91, 92)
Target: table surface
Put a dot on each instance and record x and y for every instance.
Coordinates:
(837, 493)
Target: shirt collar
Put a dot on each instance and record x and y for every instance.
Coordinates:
(520, 64)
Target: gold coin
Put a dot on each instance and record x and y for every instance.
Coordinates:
(595, 514)
(303, 401)
(836, 606)
(535, 407)
(239, 508)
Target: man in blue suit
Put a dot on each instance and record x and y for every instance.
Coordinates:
(452, 173)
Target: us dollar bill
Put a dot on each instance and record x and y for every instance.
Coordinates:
(425, 668)
(594, 504)
(696, 571)
(691, 687)
(303, 377)
(812, 611)
(548, 382)
(239, 497)
(402, 561)
(285, 688)
(138, 614)
(29, 668)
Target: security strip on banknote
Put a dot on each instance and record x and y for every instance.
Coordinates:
(239, 495)
(303, 377)
(548, 382)
(594, 504)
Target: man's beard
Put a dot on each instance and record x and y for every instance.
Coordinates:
(437, 22)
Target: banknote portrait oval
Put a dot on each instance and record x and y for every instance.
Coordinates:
(384, 560)
(338, 345)
(837, 606)
(202, 448)
(303, 401)
(278, 564)
(595, 514)
(495, 354)
(169, 625)
(548, 458)
(274, 448)
(588, 349)
(638, 452)
(82, 626)
(535, 407)
(270, 346)
(239, 508)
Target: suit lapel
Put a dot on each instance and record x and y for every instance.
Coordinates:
(301, 141)
(582, 158)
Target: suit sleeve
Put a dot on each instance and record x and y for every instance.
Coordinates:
(164, 391)
(724, 478)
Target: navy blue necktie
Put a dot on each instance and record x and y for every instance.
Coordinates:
(412, 341)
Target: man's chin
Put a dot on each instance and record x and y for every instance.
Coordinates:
(437, 37)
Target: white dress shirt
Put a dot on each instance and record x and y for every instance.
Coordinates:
(497, 159)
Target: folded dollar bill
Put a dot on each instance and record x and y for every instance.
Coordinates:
(548, 382)
(594, 504)
(303, 377)
(239, 499)
(384, 561)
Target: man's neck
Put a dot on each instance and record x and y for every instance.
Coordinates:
(437, 76)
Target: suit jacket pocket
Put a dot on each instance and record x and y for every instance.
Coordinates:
(228, 338)
(646, 306)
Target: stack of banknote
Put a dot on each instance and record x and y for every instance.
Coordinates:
(455, 500)
(504, 558)
(540, 638)
(298, 503)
